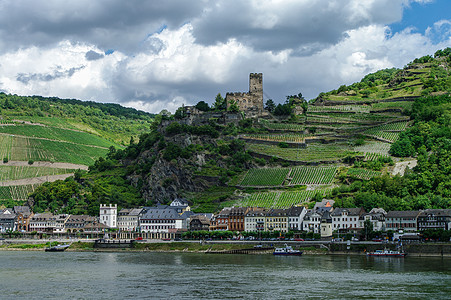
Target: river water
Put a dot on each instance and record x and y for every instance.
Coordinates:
(106, 275)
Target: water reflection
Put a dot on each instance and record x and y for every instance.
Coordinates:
(208, 276)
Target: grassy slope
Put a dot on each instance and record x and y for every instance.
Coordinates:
(56, 130)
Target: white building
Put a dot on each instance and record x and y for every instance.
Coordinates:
(108, 215)
(162, 219)
(128, 219)
(312, 221)
(254, 220)
(40, 222)
(377, 218)
(296, 217)
(57, 223)
(346, 219)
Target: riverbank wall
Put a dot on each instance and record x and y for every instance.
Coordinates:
(309, 247)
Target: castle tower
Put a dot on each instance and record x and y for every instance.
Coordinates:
(256, 84)
(108, 215)
(251, 103)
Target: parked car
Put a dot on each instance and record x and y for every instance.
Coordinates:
(299, 239)
(139, 238)
(377, 240)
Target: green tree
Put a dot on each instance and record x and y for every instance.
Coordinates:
(270, 105)
(220, 103)
(202, 106)
(233, 107)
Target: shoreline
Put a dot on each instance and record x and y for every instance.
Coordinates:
(215, 248)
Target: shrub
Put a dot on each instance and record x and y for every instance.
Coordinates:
(5, 160)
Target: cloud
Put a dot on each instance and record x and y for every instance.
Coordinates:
(108, 24)
(159, 55)
(58, 73)
(92, 55)
(305, 26)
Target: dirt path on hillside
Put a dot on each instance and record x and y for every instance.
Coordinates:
(36, 180)
(57, 165)
(400, 167)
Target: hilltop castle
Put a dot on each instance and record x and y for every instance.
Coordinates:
(251, 103)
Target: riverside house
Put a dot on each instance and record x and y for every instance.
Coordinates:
(7, 220)
(346, 219)
(128, 219)
(277, 220)
(255, 219)
(402, 220)
(434, 219)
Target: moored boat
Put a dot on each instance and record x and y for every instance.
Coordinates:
(386, 252)
(287, 250)
(57, 248)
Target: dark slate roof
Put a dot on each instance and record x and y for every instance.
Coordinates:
(277, 213)
(4, 216)
(295, 211)
(402, 214)
(326, 217)
(436, 212)
(257, 212)
(124, 212)
(187, 214)
(24, 210)
(161, 213)
(238, 211)
(357, 211)
(136, 211)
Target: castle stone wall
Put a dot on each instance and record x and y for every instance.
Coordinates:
(252, 102)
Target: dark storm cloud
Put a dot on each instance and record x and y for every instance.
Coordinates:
(312, 25)
(108, 24)
(92, 55)
(26, 78)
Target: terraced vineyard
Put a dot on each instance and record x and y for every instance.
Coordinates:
(292, 176)
(340, 108)
(294, 138)
(278, 199)
(265, 177)
(17, 193)
(385, 135)
(24, 149)
(282, 126)
(21, 172)
(363, 173)
(53, 133)
(374, 147)
(312, 175)
(313, 153)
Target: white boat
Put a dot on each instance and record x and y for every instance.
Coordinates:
(386, 252)
(287, 250)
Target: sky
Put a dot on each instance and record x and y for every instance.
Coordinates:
(155, 55)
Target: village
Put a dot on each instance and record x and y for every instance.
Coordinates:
(177, 221)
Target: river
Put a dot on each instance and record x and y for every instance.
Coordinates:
(145, 275)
